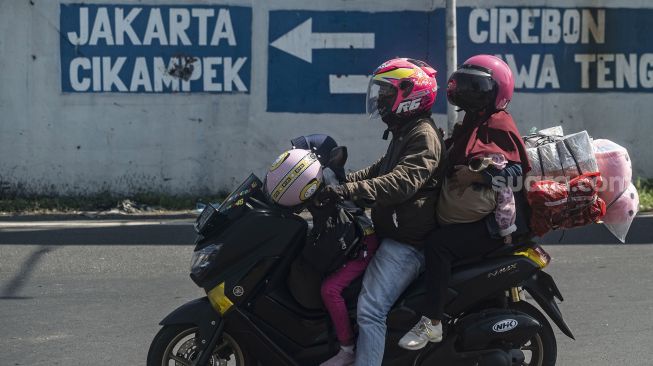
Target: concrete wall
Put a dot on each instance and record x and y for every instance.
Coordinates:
(53, 141)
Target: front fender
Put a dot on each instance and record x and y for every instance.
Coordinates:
(544, 291)
(198, 312)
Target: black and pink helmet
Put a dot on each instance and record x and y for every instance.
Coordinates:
(482, 81)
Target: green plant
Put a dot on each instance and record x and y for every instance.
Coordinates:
(645, 190)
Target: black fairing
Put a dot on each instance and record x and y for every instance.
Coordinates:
(496, 329)
(251, 245)
(469, 285)
(481, 280)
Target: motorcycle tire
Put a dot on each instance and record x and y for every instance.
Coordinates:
(177, 343)
(543, 346)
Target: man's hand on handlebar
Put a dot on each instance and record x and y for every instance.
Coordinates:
(330, 194)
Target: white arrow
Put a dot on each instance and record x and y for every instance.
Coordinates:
(301, 41)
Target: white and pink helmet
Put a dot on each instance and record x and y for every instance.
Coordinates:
(482, 81)
(293, 178)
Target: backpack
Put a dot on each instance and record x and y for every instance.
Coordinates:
(335, 238)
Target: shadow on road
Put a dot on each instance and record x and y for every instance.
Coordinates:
(13, 287)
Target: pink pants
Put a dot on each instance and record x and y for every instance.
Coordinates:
(333, 286)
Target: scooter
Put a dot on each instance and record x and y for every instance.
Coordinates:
(243, 254)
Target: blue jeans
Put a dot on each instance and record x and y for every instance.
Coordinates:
(392, 269)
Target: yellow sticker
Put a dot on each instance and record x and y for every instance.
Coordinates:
(310, 189)
(279, 161)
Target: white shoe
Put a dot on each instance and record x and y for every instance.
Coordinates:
(343, 358)
(422, 333)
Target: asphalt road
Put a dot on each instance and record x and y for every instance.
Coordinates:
(99, 302)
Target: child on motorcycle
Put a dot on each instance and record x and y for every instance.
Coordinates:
(336, 282)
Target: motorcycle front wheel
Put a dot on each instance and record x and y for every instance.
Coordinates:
(541, 349)
(176, 345)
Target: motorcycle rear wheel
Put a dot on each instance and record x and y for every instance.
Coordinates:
(542, 347)
(176, 345)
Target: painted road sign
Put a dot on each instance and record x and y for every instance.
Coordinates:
(155, 49)
(568, 50)
(319, 60)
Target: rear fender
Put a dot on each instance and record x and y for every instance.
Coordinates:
(544, 291)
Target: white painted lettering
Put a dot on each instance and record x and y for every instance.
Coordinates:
(195, 75)
(508, 20)
(548, 73)
(645, 71)
(124, 25)
(528, 24)
(179, 22)
(626, 70)
(97, 74)
(223, 29)
(602, 71)
(202, 16)
(550, 26)
(524, 78)
(571, 26)
(209, 73)
(594, 26)
(141, 76)
(475, 17)
(231, 74)
(82, 38)
(75, 82)
(110, 73)
(101, 28)
(155, 29)
(585, 60)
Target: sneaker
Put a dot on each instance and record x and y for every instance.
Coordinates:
(343, 358)
(422, 333)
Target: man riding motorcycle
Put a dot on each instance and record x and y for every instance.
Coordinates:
(401, 188)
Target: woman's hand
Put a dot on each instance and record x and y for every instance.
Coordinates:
(463, 178)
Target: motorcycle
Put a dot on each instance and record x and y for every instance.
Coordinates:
(243, 254)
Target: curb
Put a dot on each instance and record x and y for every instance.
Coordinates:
(177, 229)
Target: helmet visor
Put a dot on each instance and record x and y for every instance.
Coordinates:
(381, 97)
(471, 89)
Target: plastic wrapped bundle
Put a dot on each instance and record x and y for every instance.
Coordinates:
(621, 213)
(569, 157)
(545, 136)
(556, 205)
(615, 167)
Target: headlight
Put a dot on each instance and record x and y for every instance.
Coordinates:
(202, 259)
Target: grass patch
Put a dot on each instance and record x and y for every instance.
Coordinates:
(103, 202)
(645, 190)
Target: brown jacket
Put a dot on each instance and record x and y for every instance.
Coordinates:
(402, 186)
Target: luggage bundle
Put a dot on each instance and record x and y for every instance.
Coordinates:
(575, 181)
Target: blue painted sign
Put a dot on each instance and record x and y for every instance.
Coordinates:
(319, 61)
(155, 49)
(564, 49)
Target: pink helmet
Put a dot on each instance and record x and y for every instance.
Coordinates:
(403, 87)
(481, 81)
(293, 178)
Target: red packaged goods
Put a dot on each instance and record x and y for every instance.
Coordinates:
(557, 205)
